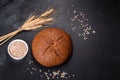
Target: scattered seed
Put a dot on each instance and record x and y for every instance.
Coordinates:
(73, 75)
(93, 31)
(79, 34)
(68, 11)
(32, 68)
(55, 73)
(79, 27)
(72, 5)
(69, 76)
(66, 77)
(87, 32)
(40, 70)
(72, 19)
(84, 27)
(50, 74)
(35, 69)
(46, 74)
(63, 74)
(71, 24)
(74, 11)
(85, 38)
(48, 70)
(75, 16)
(28, 68)
(41, 75)
(57, 77)
(31, 72)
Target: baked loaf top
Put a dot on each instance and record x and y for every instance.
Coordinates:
(51, 47)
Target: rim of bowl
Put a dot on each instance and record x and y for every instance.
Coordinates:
(17, 58)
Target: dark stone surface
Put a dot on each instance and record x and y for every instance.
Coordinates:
(97, 58)
(3, 3)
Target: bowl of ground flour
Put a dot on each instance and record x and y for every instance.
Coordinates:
(18, 49)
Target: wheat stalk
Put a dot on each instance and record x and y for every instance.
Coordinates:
(30, 24)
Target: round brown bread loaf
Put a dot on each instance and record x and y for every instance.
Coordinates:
(51, 47)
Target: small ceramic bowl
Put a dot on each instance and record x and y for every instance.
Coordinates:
(15, 49)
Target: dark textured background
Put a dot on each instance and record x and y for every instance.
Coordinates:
(97, 58)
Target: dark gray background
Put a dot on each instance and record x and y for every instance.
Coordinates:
(97, 58)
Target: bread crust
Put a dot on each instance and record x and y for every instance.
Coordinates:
(51, 47)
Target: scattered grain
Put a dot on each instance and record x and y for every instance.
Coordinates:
(79, 24)
(41, 75)
(48, 70)
(68, 12)
(31, 72)
(79, 34)
(40, 70)
(28, 68)
(93, 31)
(63, 74)
(69, 76)
(74, 11)
(57, 77)
(73, 75)
(46, 74)
(66, 77)
(50, 74)
(55, 73)
(72, 5)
